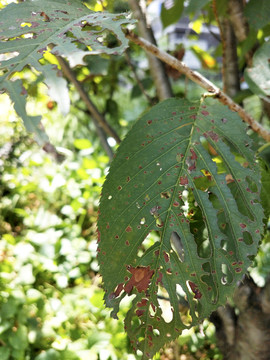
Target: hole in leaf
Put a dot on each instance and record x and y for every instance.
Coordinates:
(227, 277)
(204, 248)
(165, 195)
(109, 197)
(87, 27)
(149, 241)
(177, 246)
(9, 55)
(142, 221)
(247, 238)
(165, 305)
(159, 222)
(194, 290)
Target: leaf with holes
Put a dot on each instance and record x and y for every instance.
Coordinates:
(67, 28)
(167, 179)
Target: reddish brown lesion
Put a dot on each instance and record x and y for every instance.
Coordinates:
(141, 276)
(195, 290)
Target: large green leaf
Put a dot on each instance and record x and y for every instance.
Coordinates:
(258, 76)
(204, 207)
(65, 28)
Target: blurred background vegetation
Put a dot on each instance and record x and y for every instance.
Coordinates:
(51, 299)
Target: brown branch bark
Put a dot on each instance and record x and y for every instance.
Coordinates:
(156, 67)
(201, 81)
(100, 121)
(245, 336)
(230, 73)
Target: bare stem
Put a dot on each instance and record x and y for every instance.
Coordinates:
(132, 67)
(100, 121)
(201, 81)
(156, 67)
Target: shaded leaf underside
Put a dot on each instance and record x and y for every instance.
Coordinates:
(67, 28)
(204, 204)
(258, 76)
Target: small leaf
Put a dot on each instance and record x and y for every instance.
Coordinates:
(165, 180)
(18, 339)
(257, 13)
(171, 13)
(194, 6)
(258, 76)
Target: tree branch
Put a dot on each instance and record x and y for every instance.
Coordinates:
(132, 67)
(156, 67)
(99, 120)
(201, 81)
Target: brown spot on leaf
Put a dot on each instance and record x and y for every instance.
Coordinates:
(142, 303)
(205, 113)
(194, 288)
(193, 154)
(229, 179)
(118, 290)
(166, 256)
(159, 279)
(213, 135)
(129, 229)
(139, 312)
(140, 278)
(98, 233)
(183, 180)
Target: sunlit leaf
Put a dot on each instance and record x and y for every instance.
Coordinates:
(171, 12)
(29, 29)
(164, 180)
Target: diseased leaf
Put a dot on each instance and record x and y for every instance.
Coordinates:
(66, 28)
(165, 180)
(258, 76)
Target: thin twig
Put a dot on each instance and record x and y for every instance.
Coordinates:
(132, 67)
(101, 121)
(201, 81)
